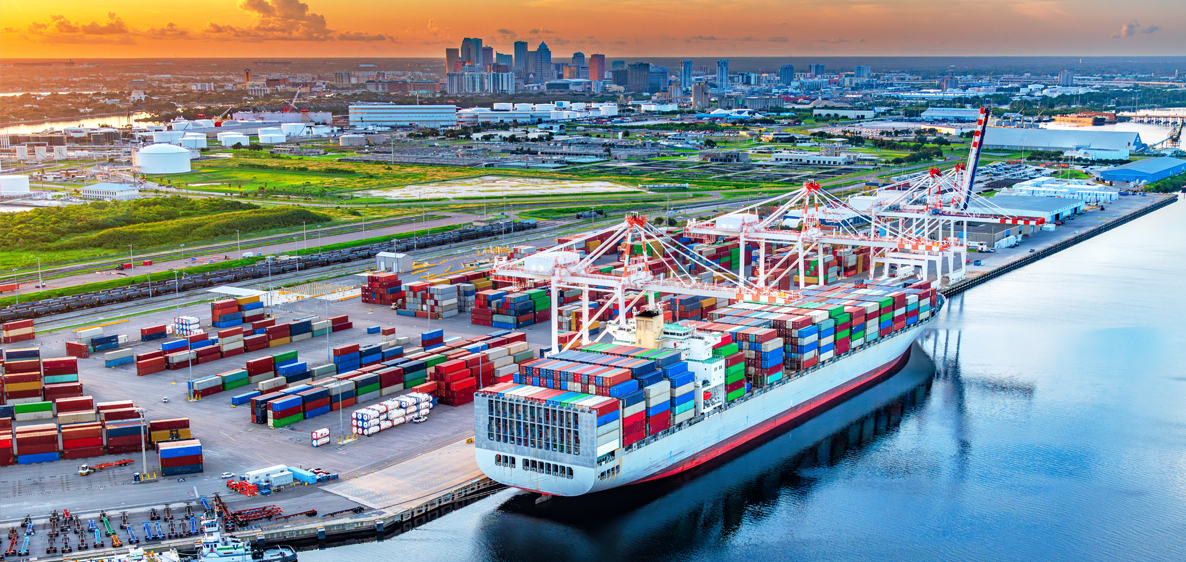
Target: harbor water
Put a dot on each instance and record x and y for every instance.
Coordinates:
(1040, 418)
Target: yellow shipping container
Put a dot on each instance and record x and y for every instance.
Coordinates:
(280, 341)
(20, 386)
(708, 301)
(163, 435)
(247, 300)
(592, 244)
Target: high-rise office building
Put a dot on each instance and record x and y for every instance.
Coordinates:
(639, 77)
(620, 77)
(504, 59)
(657, 79)
(597, 67)
(786, 74)
(452, 59)
(543, 63)
(520, 55)
(578, 59)
(723, 74)
(618, 65)
(471, 51)
(816, 70)
(700, 96)
(1066, 78)
(685, 75)
(487, 57)
(864, 71)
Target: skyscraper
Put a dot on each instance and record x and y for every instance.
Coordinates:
(543, 63)
(487, 57)
(639, 77)
(1066, 78)
(618, 65)
(578, 59)
(786, 74)
(504, 59)
(471, 51)
(815, 70)
(520, 55)
(723, 74)
(864, 71)
(657, 79)
(685, 75)
(452, 58)
(597, 67)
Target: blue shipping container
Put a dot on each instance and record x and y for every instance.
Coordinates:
(41, 457)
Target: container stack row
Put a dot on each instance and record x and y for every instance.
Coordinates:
(180, 457)
(229, 313)
(17, 331)
(384, 289)
(84, 429)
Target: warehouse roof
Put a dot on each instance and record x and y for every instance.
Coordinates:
(1023, 203)
(1068, 139)
(1151, 165)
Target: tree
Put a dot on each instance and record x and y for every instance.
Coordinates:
(709, 143)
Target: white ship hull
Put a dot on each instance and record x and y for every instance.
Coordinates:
(710, 436)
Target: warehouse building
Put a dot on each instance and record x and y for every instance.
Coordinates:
(392, 115)
(1145, 171)
(1056, 187)
(110, 191)
(948, 114)
(1084, 143)
(1048, 208)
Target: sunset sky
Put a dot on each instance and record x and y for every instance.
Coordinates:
(329, 28)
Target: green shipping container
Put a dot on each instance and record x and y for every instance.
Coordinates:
(434, 360)
(835, 312)
(842, 334)
(367, 389)
(409, 383)
(522, 356)
(725, 351)
(284, 356)
(685, 407)
(885, 317)
(734, 377)
(274, 423)
(235, 384)
(774, 378)
(33, 407)
(735, 394)
(738, 368)
(541, 304)
(320, 332)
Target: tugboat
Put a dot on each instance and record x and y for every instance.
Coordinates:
(216, 547)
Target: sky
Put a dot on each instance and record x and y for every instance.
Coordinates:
(618, 28)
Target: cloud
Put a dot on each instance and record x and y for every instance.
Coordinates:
(833, 41)
(1133, 28)
(285, 20)
(700, 38)
(169, 31)
(777, 39)
(433, 29)
(507, 34)
(541, 31)
(61, 30)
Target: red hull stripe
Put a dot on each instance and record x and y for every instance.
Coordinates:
(799, 412)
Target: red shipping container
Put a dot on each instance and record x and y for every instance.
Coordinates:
(22, 450)
(68, 444)
(232, 352)
(178, 365)
(167, 462)
(74, 404)
(209, 391)
(149, 355)
(451, 366)
(117, 405)
(345, 349)
(172, 423)
(263, 324)
(346, 326)
(78, 349)
(158, 329)
(123, 449)
(454, 376)
(83, 452)
(316, 404)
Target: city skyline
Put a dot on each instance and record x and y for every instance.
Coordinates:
(319, 28)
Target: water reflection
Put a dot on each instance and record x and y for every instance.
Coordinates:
(702, 510)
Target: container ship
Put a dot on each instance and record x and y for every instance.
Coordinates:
(663, 398)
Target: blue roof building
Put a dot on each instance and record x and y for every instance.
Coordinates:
(1146, 171)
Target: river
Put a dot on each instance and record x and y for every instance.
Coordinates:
(1049, 426)
(118, 120)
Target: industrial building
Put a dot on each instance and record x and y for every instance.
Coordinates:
(1106, 145)
(110, 191)
(946, 114)
(814, 158)
(843, 113)
(1073, 189)
(14, 186)
(1145, 171)
(162, 159)
(1049, 208)
(392, 115)
(991, 233)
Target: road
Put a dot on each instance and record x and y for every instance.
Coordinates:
(287, 243)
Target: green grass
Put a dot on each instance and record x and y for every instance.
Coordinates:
(25, 259)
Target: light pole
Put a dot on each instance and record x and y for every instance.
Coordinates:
(304, 237)
(131, 260)
(238, 245)
(176, 288)
(40, 284)
(319, 240)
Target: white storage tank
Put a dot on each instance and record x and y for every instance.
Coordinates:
(544, 107)
(562, 105)
(270, 131)
(162, 159)
(209, 123)
(502, 106)
(523, 106)
(167, 137)
(579, 106)
(14, 185)
(322, 130)
(272, 138)
(293, 129)
(193, 140)
(352, 140)
(230, 139)
(181, 125)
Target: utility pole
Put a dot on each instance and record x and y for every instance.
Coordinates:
(131, 260)
(304, 236)
(40, 284)
(238, 245)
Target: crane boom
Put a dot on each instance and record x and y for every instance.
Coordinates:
(965, 191)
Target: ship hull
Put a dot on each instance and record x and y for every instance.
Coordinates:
(725, 432)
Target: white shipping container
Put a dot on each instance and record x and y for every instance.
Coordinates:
(280, 478)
